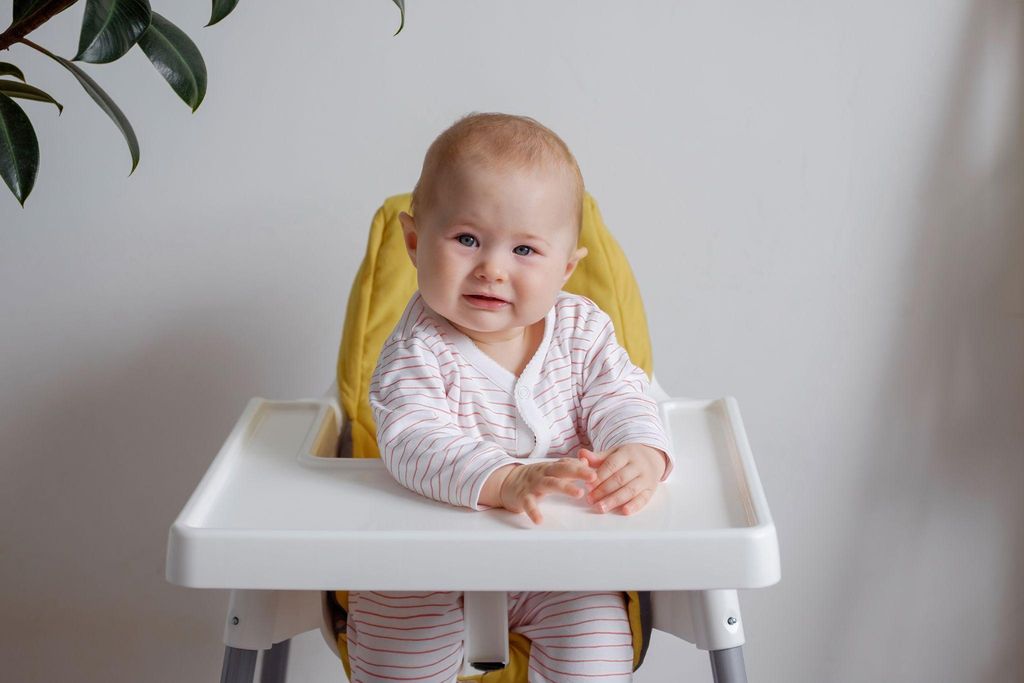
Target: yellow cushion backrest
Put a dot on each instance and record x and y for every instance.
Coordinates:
(387, 279)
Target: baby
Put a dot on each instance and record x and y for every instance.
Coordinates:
(492, 365)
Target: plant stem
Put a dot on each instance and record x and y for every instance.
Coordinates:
(16, 32)
(32, 45)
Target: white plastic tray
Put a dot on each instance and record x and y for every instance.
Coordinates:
(270, 515)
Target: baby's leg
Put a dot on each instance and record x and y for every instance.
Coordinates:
(405, 636)
(575, 635)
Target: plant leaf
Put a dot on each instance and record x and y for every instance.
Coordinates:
(26, 10)
(401, 9)
(23, 9)
(106, 104)
(19, 149)
(27, 92)
(11, 70)
(110, 28)
(221, 8)
(177, 59)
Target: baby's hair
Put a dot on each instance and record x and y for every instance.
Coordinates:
(494, 139)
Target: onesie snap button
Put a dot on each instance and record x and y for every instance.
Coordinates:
(522, 392)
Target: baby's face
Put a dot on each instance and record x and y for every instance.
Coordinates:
(495, 249)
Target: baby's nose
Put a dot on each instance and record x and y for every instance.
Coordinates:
(490, 270)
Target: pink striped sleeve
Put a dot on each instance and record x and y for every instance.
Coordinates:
(616, 406)
(420, 442)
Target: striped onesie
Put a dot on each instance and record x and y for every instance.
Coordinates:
(448, 416)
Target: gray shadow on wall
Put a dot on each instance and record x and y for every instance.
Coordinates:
(107, 454)
(935, 560)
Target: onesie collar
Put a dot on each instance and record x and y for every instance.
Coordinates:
(502, 377)
(521, 389)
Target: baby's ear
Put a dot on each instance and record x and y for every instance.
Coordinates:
(409, 234)
(573, 262)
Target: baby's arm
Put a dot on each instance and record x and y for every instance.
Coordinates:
(490, 495)
(616, 406)
(420, 442)
(630, 449)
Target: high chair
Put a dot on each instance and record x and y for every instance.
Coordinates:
(297, 508)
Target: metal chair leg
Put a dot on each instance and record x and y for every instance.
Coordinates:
(727, 665)
(275, 663)
(239, 665)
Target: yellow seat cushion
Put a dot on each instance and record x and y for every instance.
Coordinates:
(387, 279)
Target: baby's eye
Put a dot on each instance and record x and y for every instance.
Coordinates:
(466, 240)
(527, 252)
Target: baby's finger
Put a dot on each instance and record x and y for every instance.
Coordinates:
(550, 484)
(613, 482)
(612, 462)
(637, 503)
(532, 509)
(621, 495)
(594, 459)
(603, 462)
(569, 470)
(574, 469)
(556, 485)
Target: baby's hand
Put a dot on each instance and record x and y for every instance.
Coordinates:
(525, 485)
(626, 477)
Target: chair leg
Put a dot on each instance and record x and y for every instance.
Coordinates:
(727, 665)
(275, 663)
(239, 665)
(486, 623)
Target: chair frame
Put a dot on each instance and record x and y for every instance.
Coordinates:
(265, 620)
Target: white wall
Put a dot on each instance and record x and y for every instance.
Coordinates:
(822, 202)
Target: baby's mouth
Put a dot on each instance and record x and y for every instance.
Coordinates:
(484, 300)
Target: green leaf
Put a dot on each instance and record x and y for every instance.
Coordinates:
(26, 10)
(23, 9)
(19, 149)
(221, 8)
(177, 59)
(27, 92)
(110, 28)
(11, 70)
(106, 104)
(401, 9)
